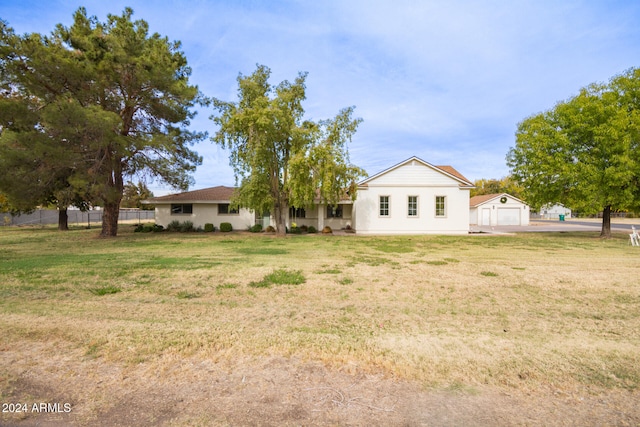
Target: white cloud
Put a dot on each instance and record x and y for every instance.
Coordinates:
(446, 81)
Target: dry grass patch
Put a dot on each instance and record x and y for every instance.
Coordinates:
(517, 312)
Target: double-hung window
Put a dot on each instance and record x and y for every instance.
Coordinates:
(412, 206)
(441, 206)
(384, 206)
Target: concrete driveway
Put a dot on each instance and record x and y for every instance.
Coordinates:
(617, 225)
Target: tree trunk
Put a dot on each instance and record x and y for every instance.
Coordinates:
(280, 216)
(606, 223)
(112, 197)
(63, 219)
(110, 220)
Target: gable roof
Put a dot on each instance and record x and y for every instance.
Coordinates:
(485, 198)
(206, 195)
(445, 170)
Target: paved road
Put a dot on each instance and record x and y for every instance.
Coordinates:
(551, 225)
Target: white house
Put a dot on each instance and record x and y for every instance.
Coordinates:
(498, 209)
(413, 197)
(209, 205)
(554, 211)
(213, 205)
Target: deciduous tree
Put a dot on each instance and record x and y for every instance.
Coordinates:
(282, 159)
(584, 152)
(493, 186)
(134, 194)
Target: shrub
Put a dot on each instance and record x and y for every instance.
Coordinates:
(174, 225)
(187, 226)
(327, 230)
(209, 228)
(256, 228)
(295, 230)
(226, 226)
(270, 229)
(148, 228)
(312, 229)
(304, 228)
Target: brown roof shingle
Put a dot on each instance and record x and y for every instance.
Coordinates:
(212, 194)
(451, 171)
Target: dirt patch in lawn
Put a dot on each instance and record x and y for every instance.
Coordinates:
(272, 391)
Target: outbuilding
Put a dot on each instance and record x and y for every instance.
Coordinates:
(555, 211)
(498, 209)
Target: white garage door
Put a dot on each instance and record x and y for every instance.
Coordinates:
(508, 216)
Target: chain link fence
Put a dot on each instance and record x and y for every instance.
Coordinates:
(76, 217)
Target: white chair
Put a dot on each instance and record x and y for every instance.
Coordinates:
(634, 237)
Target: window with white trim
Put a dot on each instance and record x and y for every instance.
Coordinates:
(384, 206)
(441, 206)
(412, 206)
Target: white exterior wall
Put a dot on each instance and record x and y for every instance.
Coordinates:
(455, 221)
(412, 179)
(554, 212)
(204, 213)
(473, 215)
(487, 213)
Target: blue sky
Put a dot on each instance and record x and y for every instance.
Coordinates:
(447, 81)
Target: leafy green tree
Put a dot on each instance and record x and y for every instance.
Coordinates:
(584, 152)
(131, 89)
(134, 194)
(282, 159)
(495, 186)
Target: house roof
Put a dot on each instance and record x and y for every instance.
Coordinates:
(485, 198)
(446, 170)
(211, 194)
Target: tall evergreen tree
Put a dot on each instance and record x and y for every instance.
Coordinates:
(119, 98)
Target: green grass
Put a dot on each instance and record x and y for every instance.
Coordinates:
(105, 290)
(489, 274)
(517, 311)
(280, 277)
